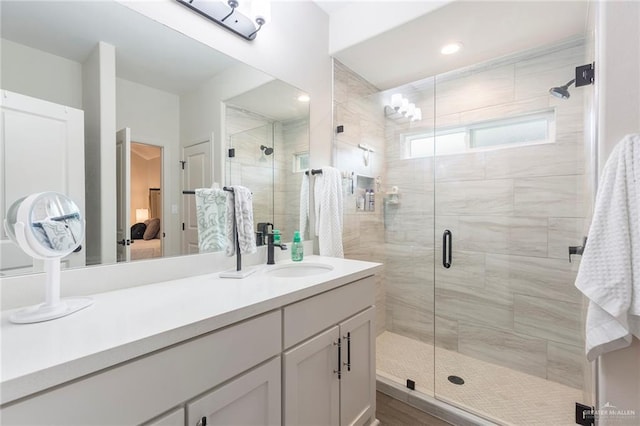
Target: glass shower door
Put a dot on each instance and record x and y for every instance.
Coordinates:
(510, 199)
(405, 347)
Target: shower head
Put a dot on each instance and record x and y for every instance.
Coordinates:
(562, 92)
(266, 150)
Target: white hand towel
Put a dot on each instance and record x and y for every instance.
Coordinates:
(304, 204)
(210, 215)
(328, 209)
(609, 273)
(240, 210)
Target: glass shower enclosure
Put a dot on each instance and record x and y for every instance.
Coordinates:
(478, 203)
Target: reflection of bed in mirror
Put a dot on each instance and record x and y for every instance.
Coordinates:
(146, 249)
(146, 240)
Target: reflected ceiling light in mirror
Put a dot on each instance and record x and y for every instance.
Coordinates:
(304, 98)
(451, 48)
(243, 17)
(400, 107)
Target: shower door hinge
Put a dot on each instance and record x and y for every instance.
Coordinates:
(585, 75)
(585, 415)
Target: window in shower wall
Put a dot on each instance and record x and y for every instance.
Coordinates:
(526, 129)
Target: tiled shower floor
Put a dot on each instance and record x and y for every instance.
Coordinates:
(498, 393)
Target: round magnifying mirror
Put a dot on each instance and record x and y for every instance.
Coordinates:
(48, 226)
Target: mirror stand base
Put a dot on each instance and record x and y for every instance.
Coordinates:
(46, 312)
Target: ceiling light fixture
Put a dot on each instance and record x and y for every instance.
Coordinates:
(451, 48)
(304, 98)
(243, 17)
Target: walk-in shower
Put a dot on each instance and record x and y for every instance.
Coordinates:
(492, 182)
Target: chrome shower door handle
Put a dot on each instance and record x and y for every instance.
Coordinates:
(447, 242)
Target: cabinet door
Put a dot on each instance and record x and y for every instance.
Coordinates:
(251, 399)
(311, 386)
(358, 384)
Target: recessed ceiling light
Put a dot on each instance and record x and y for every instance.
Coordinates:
(451, 48)
(304, 98)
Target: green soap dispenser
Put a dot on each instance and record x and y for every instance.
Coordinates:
(297, 248)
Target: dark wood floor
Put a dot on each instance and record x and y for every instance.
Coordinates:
(392, 412)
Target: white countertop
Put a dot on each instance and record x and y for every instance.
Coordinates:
(127, 323)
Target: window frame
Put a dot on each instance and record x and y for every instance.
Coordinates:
(548, 115)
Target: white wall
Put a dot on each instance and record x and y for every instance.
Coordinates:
(293, 47)
(40, 74)
(99, 103)
(357, 21)
(617, 77)
(154, 119)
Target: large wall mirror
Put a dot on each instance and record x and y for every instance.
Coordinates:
(125, 115)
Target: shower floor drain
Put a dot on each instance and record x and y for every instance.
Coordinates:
(456, 380)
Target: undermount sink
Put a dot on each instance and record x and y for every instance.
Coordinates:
(294, 270)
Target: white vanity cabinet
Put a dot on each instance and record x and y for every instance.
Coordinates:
(292, 353)
(140, 390)
(329, 378)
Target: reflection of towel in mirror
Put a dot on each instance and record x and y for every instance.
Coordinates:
(240, 210)
(60, 235)
(304, 204)
(210, 214)
(609, 272)
(328, 209)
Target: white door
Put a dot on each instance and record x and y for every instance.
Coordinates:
(41, 149)
(358, 384)
(311, 385)
(250, 400)
(196, 174)
(123, 191)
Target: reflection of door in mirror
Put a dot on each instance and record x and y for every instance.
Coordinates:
(139, 205)
(37, 137)
(123, 191)
(196, 173)
(145, 209)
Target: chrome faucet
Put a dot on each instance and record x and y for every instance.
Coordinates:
(270, 246)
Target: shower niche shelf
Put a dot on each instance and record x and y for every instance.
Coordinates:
(365, 194)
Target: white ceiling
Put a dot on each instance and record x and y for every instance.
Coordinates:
(277, 93)
(146, 51)
(148, 152)
(487, 29)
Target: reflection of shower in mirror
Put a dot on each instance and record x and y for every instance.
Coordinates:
(266, 150)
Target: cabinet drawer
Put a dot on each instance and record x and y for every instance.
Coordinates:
(310, 316)
(137, 391)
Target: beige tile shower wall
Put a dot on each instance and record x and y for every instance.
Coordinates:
(509, 297)
(246, 132)
(358, 109)
(295, 139)
(275, 186)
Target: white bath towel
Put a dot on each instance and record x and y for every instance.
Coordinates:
(240, 210)
(304, 204)
(210, 215)
(609, 272)
(328, 209)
